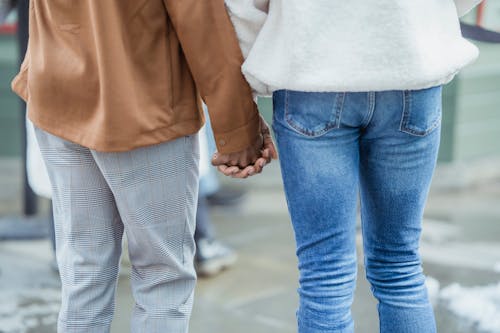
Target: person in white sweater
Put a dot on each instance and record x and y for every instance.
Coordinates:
(356, 88)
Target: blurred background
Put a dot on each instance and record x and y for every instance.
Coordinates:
(257, 293)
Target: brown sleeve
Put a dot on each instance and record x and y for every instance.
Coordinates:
(214, 57)
(20, 82)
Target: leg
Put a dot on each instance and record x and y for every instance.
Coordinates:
(319, 164)
(156, 189)
(212, 256)
(204, 227)
(88, 236)
(398, 156)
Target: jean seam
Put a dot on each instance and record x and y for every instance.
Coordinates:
(340, 108)
(406, 103)
(338, 105)
(423, 133)
(404, 125)
(371, 109)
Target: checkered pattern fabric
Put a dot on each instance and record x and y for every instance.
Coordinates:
(150, 193)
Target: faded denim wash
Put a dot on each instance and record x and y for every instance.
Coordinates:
(380, 147)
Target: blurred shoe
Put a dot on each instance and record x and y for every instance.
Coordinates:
(212, 257)
(226, 196)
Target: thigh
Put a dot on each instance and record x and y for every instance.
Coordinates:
(319, 164)
(398, 156)
(86, 217)
(156, 190)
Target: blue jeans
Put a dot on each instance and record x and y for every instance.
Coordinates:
(383, 147)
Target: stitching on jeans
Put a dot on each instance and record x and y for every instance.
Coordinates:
(405, 126)
(405, 110)
(286, 105)
(338, 106)
(423, 133)
(275, 116)
(371, 109)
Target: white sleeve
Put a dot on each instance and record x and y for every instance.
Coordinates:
(248, 17)
(465, 6)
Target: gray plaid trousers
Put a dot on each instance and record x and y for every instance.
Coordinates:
(150, 193)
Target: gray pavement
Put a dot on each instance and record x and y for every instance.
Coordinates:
(460, 245)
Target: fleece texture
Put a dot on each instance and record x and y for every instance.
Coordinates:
(355, 45)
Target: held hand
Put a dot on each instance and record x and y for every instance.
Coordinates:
(269, 146)
(267, 153)
(241, 159)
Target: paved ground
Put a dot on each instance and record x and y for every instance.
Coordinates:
(461, 244)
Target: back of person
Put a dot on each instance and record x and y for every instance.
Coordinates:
(357, 90)
(124, 72)
(113, 88)
(357, 45)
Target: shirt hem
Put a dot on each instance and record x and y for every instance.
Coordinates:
(145, 139)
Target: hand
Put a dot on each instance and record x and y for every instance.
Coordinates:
(241, 159)
(267, 153)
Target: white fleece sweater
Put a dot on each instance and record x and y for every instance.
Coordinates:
(355, 45)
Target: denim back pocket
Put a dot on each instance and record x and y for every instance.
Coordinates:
(422, 111)
(313, 113)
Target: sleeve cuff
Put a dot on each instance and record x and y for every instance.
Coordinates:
(240, 138)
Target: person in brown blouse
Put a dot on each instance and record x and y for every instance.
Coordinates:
(113, 89)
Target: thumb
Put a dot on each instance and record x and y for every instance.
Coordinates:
(269, 145)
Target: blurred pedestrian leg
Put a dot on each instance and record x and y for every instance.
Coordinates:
(212, 256)
(150, 193)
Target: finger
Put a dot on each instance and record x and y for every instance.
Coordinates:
(245, 173)
(240, 175)
(269, 144)
(223, 169)
(219, 159)
(255, 157)
(233, 162)
(257, 166)
(260, 164)
(247, 159)
(266, 154)
(228, 170)
(233, 169)
(249, 162)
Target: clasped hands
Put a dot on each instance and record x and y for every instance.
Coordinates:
(250, 161)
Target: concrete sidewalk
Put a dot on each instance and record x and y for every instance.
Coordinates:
(460, 244)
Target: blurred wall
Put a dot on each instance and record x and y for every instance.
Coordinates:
(10, 117)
